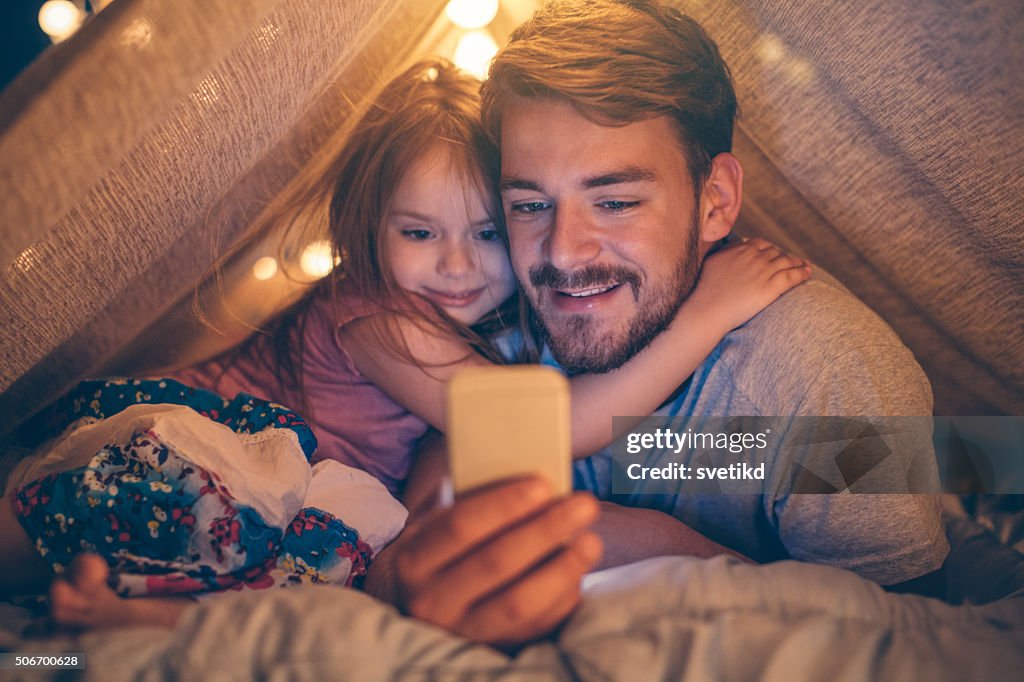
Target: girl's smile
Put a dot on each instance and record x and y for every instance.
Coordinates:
(460, 299)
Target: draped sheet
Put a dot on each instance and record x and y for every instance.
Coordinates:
(882, 139)
(668, 618)
(132, 152)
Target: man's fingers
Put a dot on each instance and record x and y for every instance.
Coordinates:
(537, 602)
(450, 533)
(501, 561)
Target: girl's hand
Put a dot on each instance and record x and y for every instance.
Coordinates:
(742, 279)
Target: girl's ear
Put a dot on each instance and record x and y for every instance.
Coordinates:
(720, 198)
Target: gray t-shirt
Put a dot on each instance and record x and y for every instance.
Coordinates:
(817, 351)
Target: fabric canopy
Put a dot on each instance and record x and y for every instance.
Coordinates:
(134, 150)
(881, 139)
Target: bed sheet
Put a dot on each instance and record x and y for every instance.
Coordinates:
(673, 618)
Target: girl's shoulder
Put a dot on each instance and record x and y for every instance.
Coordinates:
(340, 305)
(343, 304)
(340, 316)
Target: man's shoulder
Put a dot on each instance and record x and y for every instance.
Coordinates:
(819, 340)
(820, 316)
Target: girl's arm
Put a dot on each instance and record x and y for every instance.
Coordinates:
(735, 284)
(418, 387)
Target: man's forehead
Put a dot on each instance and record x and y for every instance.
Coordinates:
(530, 117)
(543, 126)
(549, 139)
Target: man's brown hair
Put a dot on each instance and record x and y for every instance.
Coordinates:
(618, 62)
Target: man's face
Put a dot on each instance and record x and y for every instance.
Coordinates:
(603, 227)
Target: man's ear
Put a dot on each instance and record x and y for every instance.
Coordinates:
(721, 197)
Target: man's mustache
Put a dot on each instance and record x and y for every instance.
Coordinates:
(547, 275)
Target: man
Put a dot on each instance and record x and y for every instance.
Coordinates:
(615, 121)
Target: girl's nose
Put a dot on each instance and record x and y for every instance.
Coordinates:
(457, 260)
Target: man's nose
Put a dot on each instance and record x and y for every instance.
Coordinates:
(458, 259)
(573, 240)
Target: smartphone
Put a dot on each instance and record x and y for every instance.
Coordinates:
(509, 421)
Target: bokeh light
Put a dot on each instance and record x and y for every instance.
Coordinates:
(474, 53)
(265, 268)
(471, 13)
(59, 19)
(317, 260)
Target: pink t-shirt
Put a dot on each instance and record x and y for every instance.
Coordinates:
(354, 421)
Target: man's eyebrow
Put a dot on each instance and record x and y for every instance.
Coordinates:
(621, 176)
(511, 182)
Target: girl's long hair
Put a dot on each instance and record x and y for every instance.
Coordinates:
(431, 103)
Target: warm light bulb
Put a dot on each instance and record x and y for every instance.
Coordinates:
(474, 53)
(317, 260)
(471, 13)
(59, 19)
(265, 268)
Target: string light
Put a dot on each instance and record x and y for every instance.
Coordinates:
(317, 260)
(59, 19)
(470, 14)
(474, 53)
(265, 268)
(770, 49)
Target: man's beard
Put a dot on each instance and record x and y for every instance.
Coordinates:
(580, 346)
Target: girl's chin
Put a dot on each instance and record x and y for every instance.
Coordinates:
(463, 315)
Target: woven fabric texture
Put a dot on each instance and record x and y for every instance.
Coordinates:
(132, 152)
(882, 139)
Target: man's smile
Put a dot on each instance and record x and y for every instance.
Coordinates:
(567, 300)
(588, 292)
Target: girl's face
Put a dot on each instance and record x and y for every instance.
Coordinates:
(442, 244)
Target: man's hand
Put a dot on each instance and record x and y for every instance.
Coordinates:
(501, 566)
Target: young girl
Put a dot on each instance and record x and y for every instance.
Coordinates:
(424, 289)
